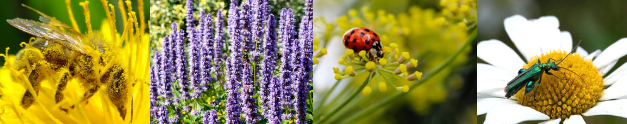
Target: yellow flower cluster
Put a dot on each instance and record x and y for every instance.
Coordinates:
(430, 35)
(393, 63)
(558, 97)
(321, 51)
(131, 47)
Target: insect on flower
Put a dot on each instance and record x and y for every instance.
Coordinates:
(360, 38)
(527, 77)
(60, 54)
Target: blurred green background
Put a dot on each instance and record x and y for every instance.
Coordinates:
(597, 24)
(56, 8)
(429, 31)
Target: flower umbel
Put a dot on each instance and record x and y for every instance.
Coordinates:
(390, 65)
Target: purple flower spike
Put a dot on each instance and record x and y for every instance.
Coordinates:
(269, 60)
(181, 68)
(162, 115)
(154, 83)
(190, 18)
(244, 27)
(211, 117)
(257, 20)
(206, 53)
(274, 98)
(248, 101)
(286, 32)
(217, 54)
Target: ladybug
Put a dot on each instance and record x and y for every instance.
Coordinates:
(361, 38)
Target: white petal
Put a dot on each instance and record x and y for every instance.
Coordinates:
(490, 77)
(517, 28)
(552, 121)
(513, 113)
(545, 31)
(566, 43)
(614, 107)
(575, 119)
(617, 74)
(611, 54)
(487, 104)
(617, 90)
(528, 35)
(494, 93)
(603, 70)
(581, 51)
(498, 54)
(593, 54)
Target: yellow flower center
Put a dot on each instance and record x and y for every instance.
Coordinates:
(565, 92)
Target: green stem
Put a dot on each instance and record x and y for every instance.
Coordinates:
(361, 87)
(325, 96)
(397, 95)
(335, 100)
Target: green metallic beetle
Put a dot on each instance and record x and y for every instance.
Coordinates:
(527, 77)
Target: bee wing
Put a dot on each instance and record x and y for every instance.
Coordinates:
(49, 32)
(52, 21)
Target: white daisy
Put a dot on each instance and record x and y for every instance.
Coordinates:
(565, 95)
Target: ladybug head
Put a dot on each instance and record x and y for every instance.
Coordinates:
(376, 50)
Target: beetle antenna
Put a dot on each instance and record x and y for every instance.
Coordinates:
(571, 52)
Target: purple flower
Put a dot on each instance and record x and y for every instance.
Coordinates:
(194, 65)
(210, 117)
(181, 68)
(309, 10)
(274, 98)
(244, 28)
(194, 112)
(217, 54)
(174, 119)
(206, 52)
(154, 80)
(190, 19)
(162, 115)
(286, 37)
(257, 20)
(269, 60)
(248, 101)
(234, 67)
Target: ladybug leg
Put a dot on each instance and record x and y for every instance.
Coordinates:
(373, 55)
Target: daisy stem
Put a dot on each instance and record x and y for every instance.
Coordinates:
(326, 95)
(399, 94)
(361, 87)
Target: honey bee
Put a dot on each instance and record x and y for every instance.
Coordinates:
(60, 54)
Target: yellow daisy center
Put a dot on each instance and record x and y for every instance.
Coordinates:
(564, 93)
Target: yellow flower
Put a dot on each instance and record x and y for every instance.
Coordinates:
(133, 46)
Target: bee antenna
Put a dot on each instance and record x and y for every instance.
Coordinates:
(571, 51)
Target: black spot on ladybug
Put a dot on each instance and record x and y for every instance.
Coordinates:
(375, 35)
(348, 37)
(367, 30)
(354, 48)
(365, 47)
(345, 42)
(367, 41)
(352, 31)
(355, 40)
(362, 34)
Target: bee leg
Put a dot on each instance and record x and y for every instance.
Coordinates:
(89, 93)
(62, 83)
(118, 92)
(28, 99)
(35, 77)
